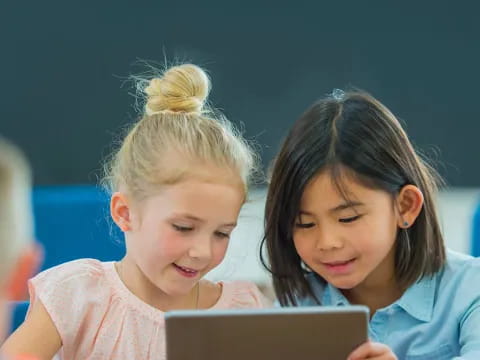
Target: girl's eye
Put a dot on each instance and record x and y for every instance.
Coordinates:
(222, 235)
(181, 228)
(305, 225)
(350, 219)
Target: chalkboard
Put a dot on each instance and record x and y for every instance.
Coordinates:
(63, 65)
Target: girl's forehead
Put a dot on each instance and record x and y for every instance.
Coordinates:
(206, 201)
(327, 191)
(327, 184)
(193, 188)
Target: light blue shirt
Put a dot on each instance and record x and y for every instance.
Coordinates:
(436, 318)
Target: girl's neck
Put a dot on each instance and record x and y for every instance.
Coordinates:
(375, 297)
(379, 289)
(139, 285)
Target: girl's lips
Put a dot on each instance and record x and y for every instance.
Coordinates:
(186, 272)
(338, 262)
(339, 267)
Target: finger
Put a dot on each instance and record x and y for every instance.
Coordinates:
(369, 350)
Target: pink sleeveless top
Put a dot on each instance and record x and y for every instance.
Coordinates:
(97, 317)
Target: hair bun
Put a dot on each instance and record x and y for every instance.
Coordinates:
(182, 88)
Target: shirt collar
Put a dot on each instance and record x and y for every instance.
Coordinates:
(417, 300)
(334, 297)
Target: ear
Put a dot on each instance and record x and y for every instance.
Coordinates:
(120, 210)
(409, 203)
(25, 267)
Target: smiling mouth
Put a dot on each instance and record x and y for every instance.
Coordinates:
(338, 263)
(342, 267)
(187, 272)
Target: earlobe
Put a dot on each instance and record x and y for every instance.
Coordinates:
(410, 204)
(120, 211)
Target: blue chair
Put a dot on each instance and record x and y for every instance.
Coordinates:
(476, 232)
(73, 222)
(19, 311)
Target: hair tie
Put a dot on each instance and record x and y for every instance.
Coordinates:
(338, 94)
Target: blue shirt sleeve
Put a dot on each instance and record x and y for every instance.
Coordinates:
(469, 340)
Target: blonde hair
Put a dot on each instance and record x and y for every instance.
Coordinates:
(16, 224)
(177, 125)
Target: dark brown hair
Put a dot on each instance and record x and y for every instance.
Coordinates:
(351, 134)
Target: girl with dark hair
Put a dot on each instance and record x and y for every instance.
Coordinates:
(350, 219)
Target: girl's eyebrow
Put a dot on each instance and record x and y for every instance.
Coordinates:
(197, 219)
(188, 216)
(346, 205)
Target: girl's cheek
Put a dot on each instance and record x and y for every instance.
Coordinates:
(218, 252)
(170, 242)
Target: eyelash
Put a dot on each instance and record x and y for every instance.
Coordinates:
(181, 229)
(305, 226)
(222, 235)
(343, 221)
(184, 229)
(350, 219)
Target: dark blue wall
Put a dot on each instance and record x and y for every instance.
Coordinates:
(62, 64)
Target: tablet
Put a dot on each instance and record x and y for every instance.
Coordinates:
(266, 334)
